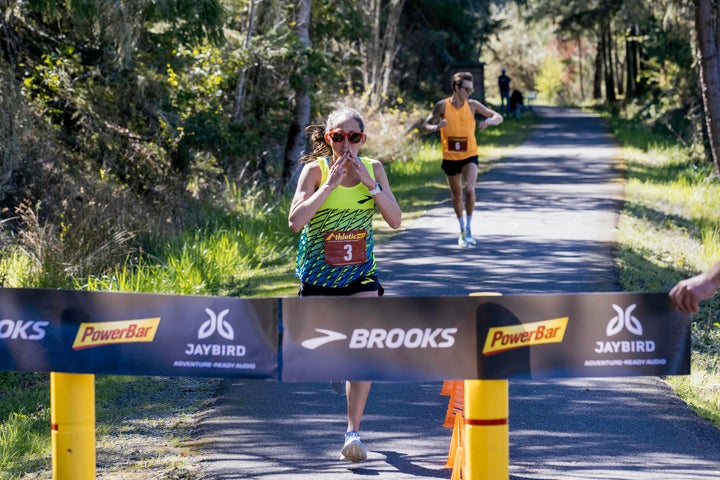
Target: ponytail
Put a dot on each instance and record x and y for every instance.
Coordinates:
(320, 146)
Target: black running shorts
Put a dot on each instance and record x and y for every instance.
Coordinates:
(454, 167)
(366, 284)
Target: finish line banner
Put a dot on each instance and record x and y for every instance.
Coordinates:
(338, 338)
(493, 337)
(137, 334)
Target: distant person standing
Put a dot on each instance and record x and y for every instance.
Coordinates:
(454, 117)
(504, 86)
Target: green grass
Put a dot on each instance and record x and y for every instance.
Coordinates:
(25, 427)
(244, 252)
(668, 231)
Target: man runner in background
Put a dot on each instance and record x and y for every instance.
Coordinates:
(455, 118)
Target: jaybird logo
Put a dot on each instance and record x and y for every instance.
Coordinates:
(328, 336)
(624, 319)
(216, 323)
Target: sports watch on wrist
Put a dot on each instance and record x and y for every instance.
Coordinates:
(376, 190)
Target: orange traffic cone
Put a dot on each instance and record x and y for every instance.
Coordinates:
(456, 441)
(447, 387)
(458, 472)
(456, 404)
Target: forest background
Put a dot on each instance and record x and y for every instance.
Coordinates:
(170, 105)
(152, 145)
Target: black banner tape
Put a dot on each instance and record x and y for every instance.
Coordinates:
(338, 338)
(515, 336)
(137, 334)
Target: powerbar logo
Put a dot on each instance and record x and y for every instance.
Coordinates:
(109, 333)
(501, 339)
(363, 338)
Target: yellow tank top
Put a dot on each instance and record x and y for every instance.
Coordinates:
(458, 136)
(346, 215)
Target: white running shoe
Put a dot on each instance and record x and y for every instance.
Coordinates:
(469, 238)
(462, 241)
(353, 450)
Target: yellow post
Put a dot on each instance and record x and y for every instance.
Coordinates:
(72, 415)
(487, 437)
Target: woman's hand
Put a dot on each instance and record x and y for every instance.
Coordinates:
(355, 166)
(338, 171)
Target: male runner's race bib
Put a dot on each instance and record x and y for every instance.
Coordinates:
(345, 248)
(457, 144)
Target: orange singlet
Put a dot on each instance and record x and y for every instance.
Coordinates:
(458, 136)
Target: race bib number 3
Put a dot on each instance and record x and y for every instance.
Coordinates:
(457, 144)
(345, 248)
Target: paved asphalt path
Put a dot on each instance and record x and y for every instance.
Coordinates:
(545, 220)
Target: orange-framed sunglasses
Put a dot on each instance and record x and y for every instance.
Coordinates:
(337, 136)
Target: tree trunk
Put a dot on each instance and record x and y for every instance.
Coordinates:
(620, 67)
(301, 114)
(631, 54)
(580, 68)
(599, 61)
(609, 68)
(389, 49)
(379, 51)
(707, 14)
(370, 12)
(240, 86)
